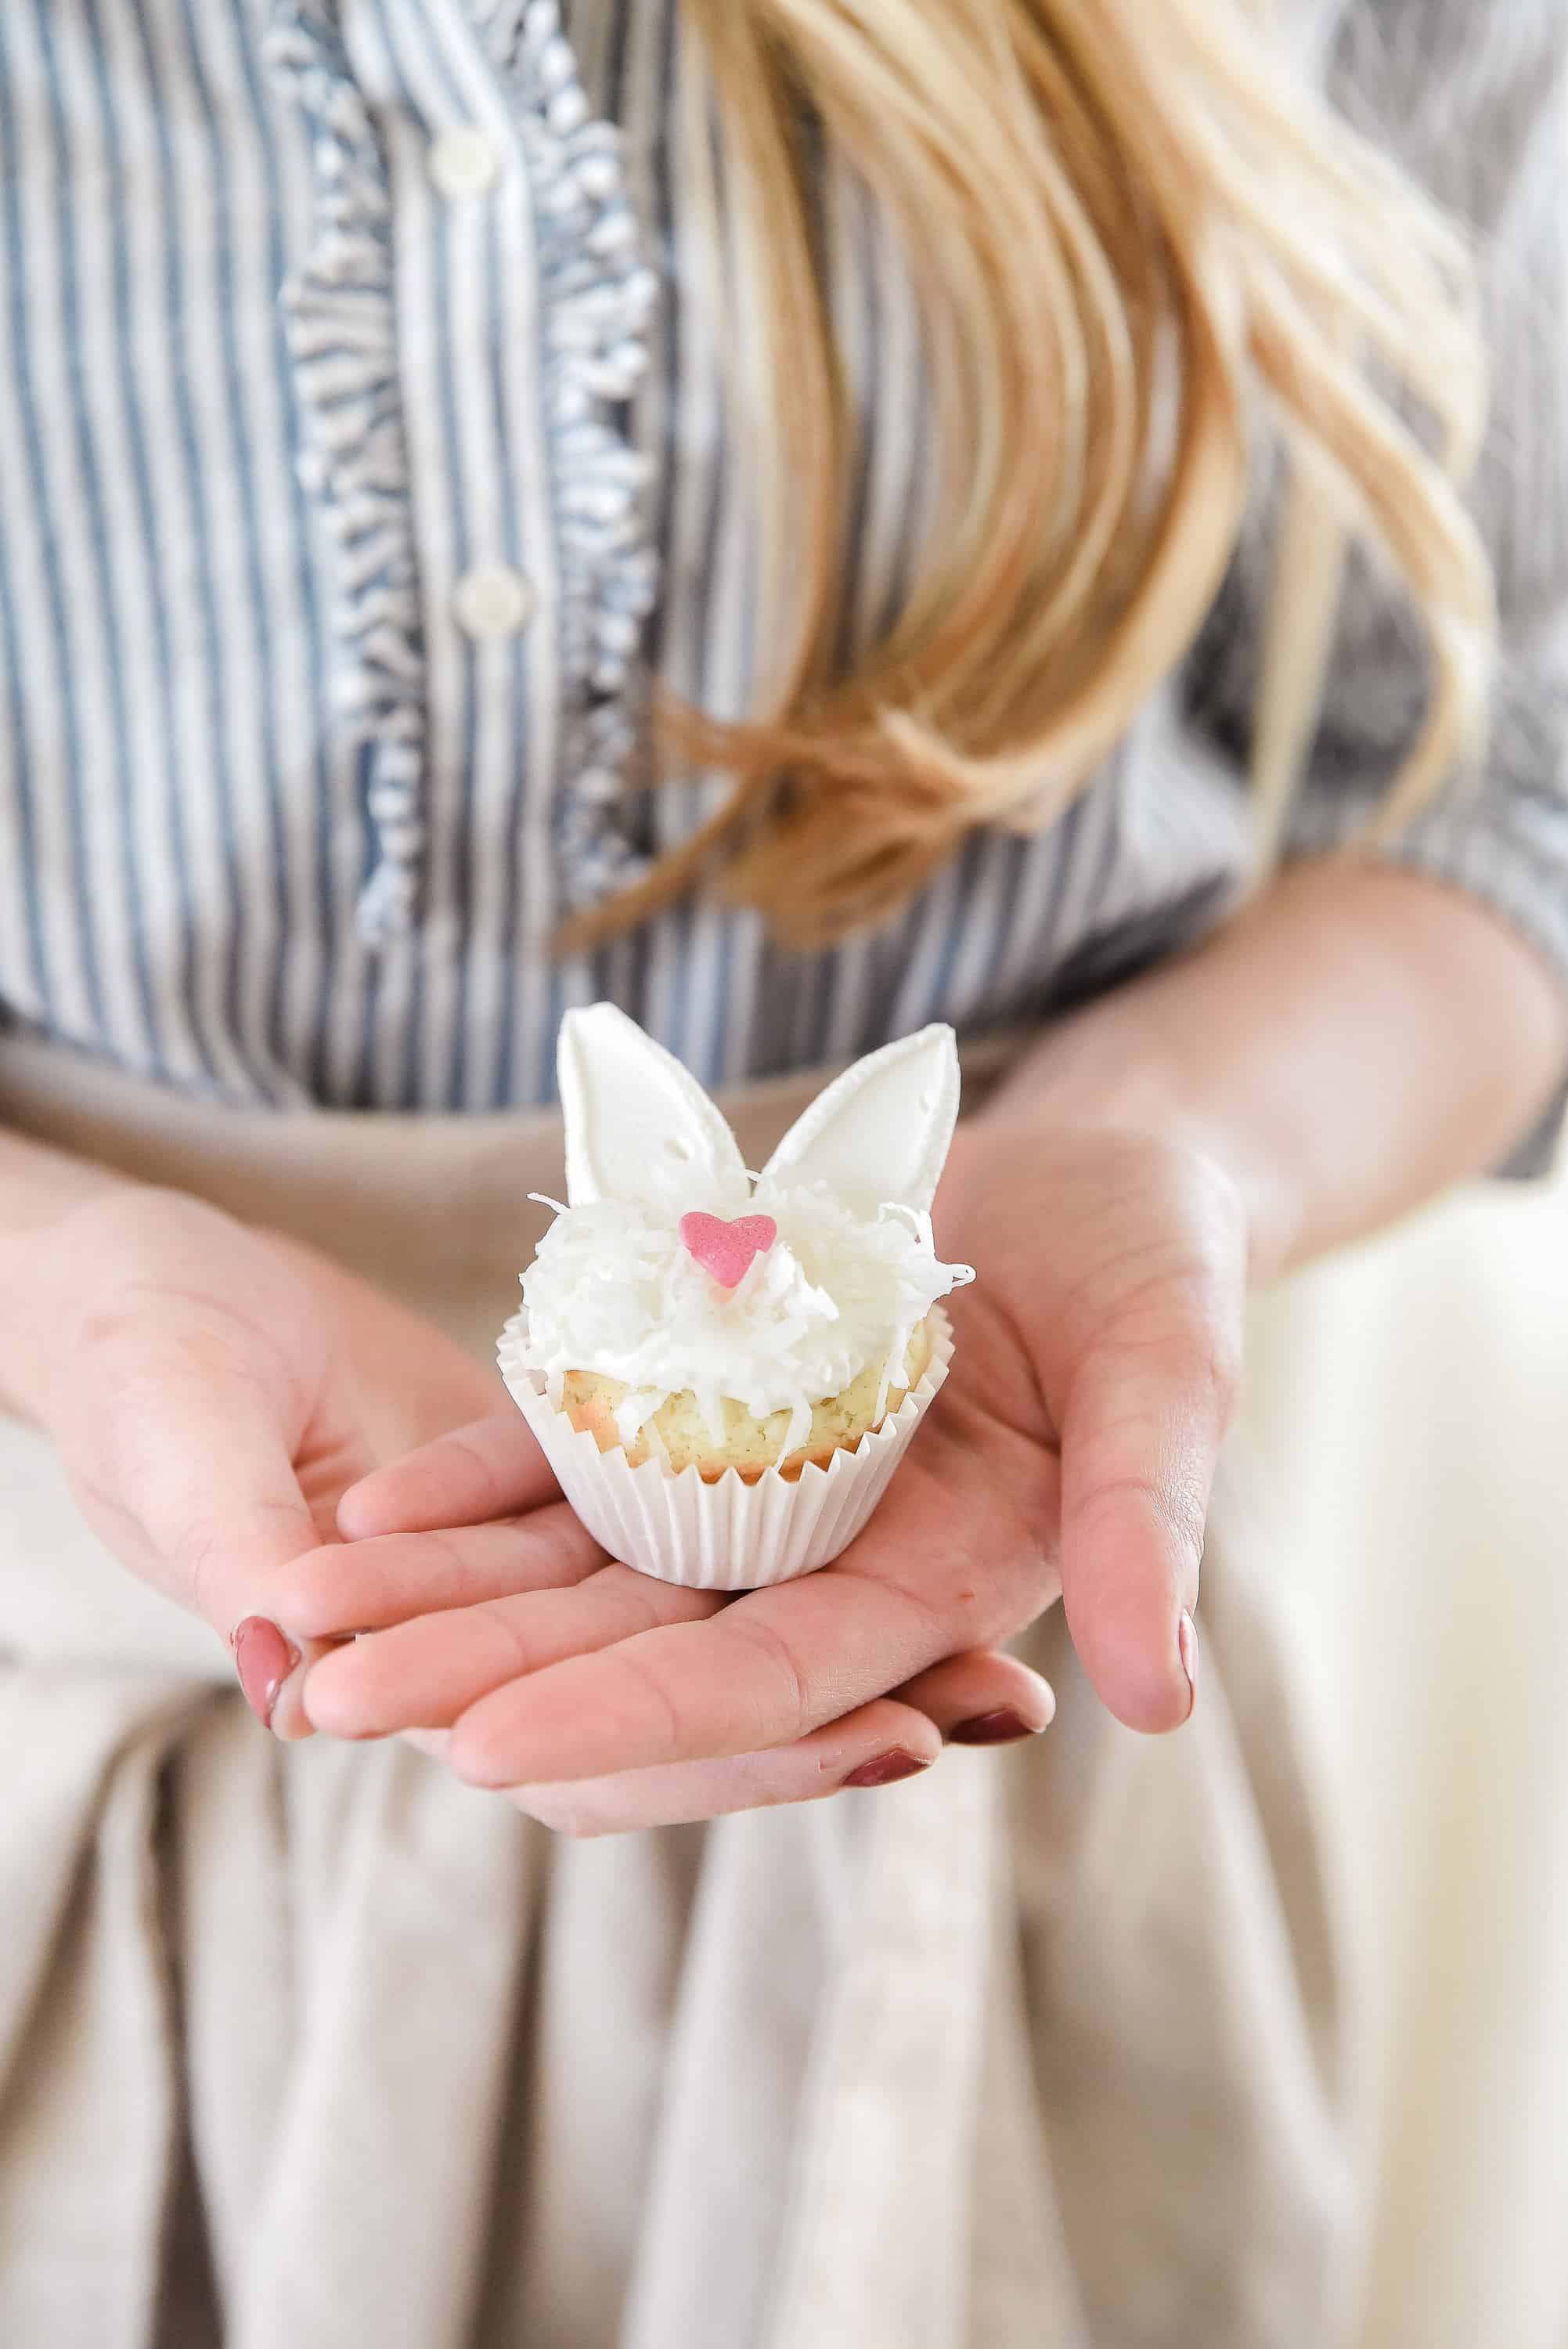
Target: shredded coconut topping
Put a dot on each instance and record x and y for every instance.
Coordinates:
(614, 1291)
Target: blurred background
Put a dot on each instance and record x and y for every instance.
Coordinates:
(1407, 1421)
(1406, 1424)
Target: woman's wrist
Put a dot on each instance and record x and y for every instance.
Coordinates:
(40, 1184)
(1362, 1039)
(1090, 1077)
(42, 1193)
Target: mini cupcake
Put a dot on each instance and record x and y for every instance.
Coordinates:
(725, 1371)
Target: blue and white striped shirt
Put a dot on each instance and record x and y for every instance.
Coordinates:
(360, 453)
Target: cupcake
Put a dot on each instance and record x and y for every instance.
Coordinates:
(722, 1369)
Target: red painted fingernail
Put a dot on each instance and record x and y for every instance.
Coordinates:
(1004, 1728)
(887, 1769)
(263, 1660)
(1187, 1646)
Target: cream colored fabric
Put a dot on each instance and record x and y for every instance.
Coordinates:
(1407, 1411)
(870, 2074)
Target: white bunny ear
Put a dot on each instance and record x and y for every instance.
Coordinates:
(881, 1133)
(639, 1127)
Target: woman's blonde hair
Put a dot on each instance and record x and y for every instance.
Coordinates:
(1126, 220)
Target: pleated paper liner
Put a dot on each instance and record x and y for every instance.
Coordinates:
(731, 1534)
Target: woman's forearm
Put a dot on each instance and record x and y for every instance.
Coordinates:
(38, 1184)
(1360, 1039)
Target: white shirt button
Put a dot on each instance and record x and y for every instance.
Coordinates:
(462, 162)
(492, 601)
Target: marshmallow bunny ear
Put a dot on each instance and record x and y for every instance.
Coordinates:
(880, 1134)
(639, 1127)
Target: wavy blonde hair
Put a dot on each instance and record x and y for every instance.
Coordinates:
(1125, 220)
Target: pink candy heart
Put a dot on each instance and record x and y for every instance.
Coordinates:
(726, 1249)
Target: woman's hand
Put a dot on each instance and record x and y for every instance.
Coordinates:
(1072, 1452)
(212, 1391)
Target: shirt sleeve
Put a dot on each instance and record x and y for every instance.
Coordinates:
(1474, 103)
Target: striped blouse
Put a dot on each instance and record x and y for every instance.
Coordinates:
(361, 460)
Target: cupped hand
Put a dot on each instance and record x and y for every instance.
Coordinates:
(467, 1611)
(212, 1391)
(1071, 1454)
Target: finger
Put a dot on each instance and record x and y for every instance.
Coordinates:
(214, 1503)
(939, 1572)
(993, 1696)
(981, 1699)
(888, 1741)
(423, 1674)
(977, 1700)
(879, 1746)
(1140, 1438)
(388, 1579)
(491, 1469)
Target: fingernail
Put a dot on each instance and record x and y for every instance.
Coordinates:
(1187, 1643)
(263, 1660)
(887, 1769)
(1004, 1728)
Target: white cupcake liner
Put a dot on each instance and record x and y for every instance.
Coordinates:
(732, 1535)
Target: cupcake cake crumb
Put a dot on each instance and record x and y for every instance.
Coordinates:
(678, 1434)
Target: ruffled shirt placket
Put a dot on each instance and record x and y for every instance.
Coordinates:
(495, 133)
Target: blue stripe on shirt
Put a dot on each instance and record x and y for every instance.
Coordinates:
(88, 460)
(19, 323)
(200, 475)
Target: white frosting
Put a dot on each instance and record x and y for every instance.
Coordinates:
(638, 1124)
(852, 1272)
(614, 1291)
(879, 1132)
(639, 1127)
